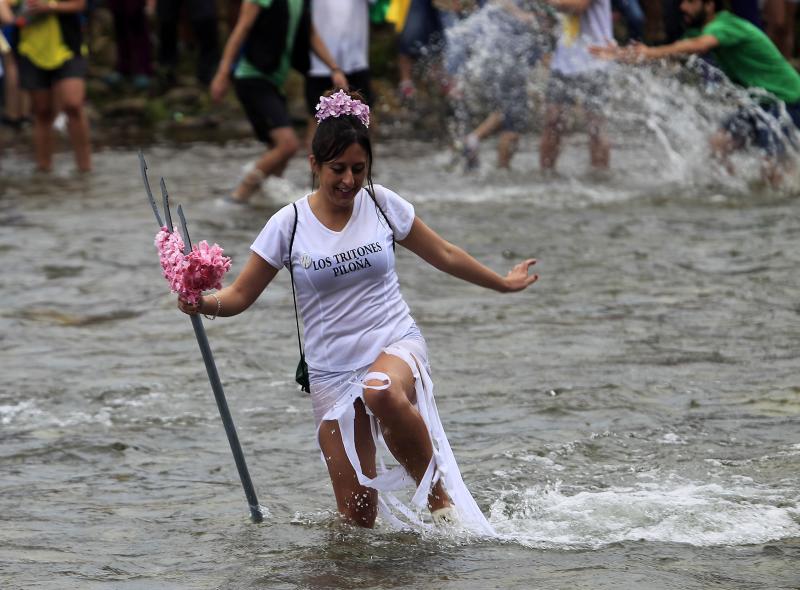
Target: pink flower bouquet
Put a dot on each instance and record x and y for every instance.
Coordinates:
(190, 274)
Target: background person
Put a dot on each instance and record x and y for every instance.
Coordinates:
(15, 107)
(423, 32)
(272, 36)
(491, 55)
(577, 79)
(132, 36)
(53, 69)
(203, 18)
(747, 57)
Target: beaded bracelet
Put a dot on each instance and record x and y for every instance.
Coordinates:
(219, 308)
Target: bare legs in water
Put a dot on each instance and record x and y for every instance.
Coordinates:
(68, 96)
(550, 145)
(403, 429)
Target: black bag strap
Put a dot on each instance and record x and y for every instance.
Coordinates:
(389, 223)
(291, 275)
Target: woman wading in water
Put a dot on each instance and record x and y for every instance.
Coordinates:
(368, 363)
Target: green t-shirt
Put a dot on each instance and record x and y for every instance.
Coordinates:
(244, 69)
(749, 58)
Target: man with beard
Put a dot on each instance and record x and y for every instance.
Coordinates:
(748, 58)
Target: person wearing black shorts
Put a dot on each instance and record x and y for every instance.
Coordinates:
(270, 36)
(54, 76)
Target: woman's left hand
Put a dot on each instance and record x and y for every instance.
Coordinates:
(518, 278)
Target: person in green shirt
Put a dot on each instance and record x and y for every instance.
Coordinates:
(747, 57)
(270, 37)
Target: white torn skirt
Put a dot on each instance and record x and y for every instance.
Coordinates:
(333, 395)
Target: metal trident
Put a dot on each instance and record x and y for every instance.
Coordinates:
(205, 349)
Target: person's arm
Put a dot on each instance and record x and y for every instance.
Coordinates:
(321, 50)
(55, 6)
(570, 6)
(441, 254)
(6, 16)
(637, 52)
(248, 13)
(701, 44)
(234, 299)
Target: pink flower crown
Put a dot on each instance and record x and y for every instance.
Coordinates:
(340, 103)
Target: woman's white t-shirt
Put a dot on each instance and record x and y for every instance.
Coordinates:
(347, 289)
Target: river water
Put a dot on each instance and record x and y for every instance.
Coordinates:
(631, 421)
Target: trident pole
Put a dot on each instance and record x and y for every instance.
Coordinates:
(205, 349)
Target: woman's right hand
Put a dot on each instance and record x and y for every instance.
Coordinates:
(190, 308)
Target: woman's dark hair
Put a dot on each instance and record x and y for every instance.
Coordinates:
(335, 134)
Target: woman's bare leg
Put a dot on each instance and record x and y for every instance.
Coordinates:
(358, 504)
(402, 425)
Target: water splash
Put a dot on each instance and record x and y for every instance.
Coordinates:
(668, 512)
(659, 116)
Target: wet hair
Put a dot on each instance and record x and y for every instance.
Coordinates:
(335, 134)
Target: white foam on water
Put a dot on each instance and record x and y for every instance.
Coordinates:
(670, 438)
(692, 513)
(27, 415)
(102, 417)
(141, 401)
(22, 411)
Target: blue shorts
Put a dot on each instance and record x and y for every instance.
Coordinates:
(761, 126)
